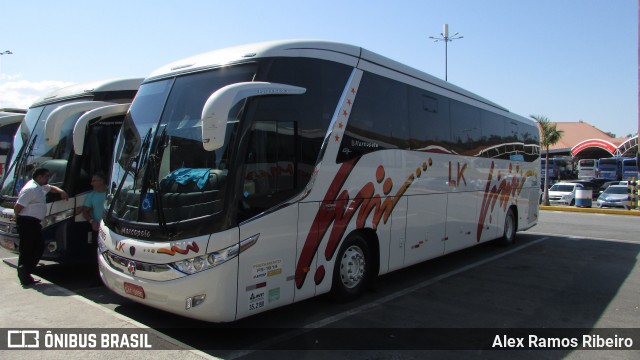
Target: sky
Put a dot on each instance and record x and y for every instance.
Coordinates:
(568, 60)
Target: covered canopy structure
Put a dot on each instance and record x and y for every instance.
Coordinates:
(582, 140)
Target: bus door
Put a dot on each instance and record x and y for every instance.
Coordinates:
(266, 271)
(94, 136)
(269, 218)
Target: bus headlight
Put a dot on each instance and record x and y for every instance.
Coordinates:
(102, 247)
(213, 259)
(56, 218)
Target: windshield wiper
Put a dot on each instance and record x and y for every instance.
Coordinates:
(21, 161)
(142, 156)
(155, 160)
(143, 148)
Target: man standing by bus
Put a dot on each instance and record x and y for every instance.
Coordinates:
(30, 210)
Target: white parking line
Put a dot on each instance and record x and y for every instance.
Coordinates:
(379, 302)
(59, 290)
(576, 237)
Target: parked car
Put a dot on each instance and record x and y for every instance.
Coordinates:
(564, 193)
(588, 184)
(614, 196)
(610, 183)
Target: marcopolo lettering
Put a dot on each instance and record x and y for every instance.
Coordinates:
(136, 232)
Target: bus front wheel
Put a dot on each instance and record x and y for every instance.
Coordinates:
(510, 228)
(352, 268)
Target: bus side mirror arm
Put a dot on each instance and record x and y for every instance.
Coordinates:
(80, 128)
(217, 107)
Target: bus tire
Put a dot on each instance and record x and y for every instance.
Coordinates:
(510, 228)
(352, 268)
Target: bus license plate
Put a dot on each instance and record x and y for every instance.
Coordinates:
(134, 290)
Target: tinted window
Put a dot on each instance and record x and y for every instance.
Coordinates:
(6, 137)
(465, 128)
(379, 119)
(287, 132)
(428, 120)
(391, 115)
(98, 151)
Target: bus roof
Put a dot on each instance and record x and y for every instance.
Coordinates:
(334, 51)
(10, 118)
(87, 88)
(13, 110)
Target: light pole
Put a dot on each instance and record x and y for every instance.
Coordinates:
(447, 39)
(6, 52)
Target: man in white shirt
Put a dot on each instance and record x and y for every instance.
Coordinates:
(30, 210)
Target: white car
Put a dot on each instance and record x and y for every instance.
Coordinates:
(563, 193)
(614, 196)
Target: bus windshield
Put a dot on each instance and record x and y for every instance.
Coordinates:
(165, 185)
(608, 163)
(161, 173)
(31, 151)
(588, 163)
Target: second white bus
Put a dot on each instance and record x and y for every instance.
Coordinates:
(253, 177)
(60, 134)
(10, 120)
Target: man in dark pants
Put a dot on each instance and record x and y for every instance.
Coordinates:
(30, 210)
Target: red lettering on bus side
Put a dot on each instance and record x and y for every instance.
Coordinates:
(503, 191)
(324, 217)
(339, 210)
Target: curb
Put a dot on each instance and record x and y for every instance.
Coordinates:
(591, 210)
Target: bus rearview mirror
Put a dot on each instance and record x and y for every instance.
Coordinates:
(80, 128)
(54, 123)
(217, 107)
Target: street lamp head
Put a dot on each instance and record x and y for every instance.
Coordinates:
(6, 52)
(446, 39)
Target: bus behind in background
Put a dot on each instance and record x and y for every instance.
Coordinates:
(609, 168)
(559, 169)
(71, 132)
(10, 120)
(629, 168)
(587, 168)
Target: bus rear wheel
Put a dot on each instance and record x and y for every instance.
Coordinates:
(352, 268)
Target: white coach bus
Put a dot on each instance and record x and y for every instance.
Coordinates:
(71, 132)
(10, 119)
(257, 176)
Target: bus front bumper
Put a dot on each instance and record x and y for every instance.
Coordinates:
(9, 242)
(179, 296)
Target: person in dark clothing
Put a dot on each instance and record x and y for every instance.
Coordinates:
(30, 210)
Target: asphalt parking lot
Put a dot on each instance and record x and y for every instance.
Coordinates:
(571, 274)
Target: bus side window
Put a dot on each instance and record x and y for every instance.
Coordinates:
(428, 120)
(270, 166)
(465, 128)
(379, 119)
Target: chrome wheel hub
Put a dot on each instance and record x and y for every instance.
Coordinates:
(352, 267)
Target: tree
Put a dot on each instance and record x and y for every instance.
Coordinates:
(549, 136)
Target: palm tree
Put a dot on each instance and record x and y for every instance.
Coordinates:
(549, 136)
